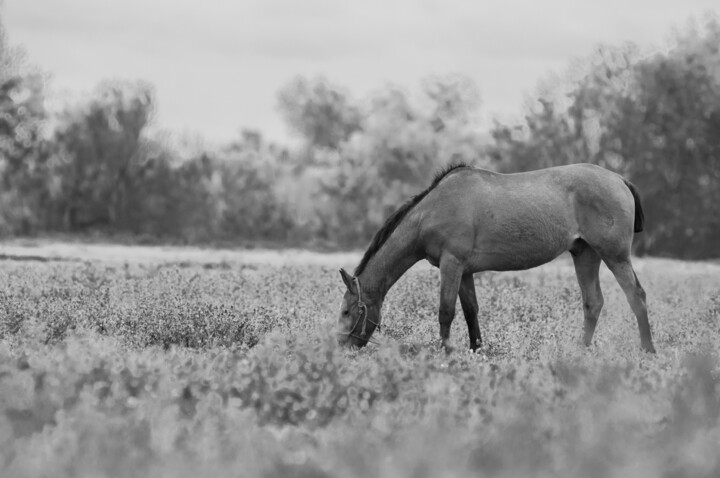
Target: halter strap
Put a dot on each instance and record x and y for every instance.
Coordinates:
(357, 286)
(363, 315)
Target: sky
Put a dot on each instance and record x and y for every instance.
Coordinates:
(217, 65)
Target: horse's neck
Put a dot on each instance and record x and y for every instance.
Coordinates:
(400, 252)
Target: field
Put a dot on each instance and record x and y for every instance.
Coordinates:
(140, 362)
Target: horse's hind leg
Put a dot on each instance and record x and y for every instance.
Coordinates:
(626, 277)
(587, 267)
(468, 300)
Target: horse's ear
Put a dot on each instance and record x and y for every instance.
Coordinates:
(348, 280)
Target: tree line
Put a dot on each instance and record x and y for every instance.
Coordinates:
(97, 166)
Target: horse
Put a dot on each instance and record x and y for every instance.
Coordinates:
(471, 220)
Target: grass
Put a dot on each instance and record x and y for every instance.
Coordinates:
(230, 369)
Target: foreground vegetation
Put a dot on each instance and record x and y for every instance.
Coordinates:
(230, 369)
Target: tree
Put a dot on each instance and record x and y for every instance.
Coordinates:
(323, 114)
(567, 122)
(23, 149)
(674, 152)
(101, 152)
(454, 100)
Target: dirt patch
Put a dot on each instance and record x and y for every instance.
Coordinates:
(114, 253)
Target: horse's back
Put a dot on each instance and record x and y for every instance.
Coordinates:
(592, 192)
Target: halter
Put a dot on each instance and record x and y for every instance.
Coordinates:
(363, 315)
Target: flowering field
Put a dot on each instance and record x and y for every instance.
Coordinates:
(229, 368)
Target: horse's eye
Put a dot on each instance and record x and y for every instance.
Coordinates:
(345, 312)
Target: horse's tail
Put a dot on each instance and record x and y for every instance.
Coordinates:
(639, 215)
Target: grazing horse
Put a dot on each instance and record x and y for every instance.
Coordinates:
(471, 220)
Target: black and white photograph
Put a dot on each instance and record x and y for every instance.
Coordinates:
(378, 239)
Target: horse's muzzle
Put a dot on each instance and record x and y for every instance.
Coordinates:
(350, 340)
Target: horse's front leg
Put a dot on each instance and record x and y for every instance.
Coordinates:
(468, 301)
(450, 278)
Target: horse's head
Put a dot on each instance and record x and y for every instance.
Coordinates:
(359, 316)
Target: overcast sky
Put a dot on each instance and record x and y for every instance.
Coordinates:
(217, 64)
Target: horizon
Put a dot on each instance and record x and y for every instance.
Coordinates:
(238, 56)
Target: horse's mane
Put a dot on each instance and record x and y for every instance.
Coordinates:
(392, 222)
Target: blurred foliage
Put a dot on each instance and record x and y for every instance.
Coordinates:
(321, 113)
(100, 166)
(100, 155)
(23, 151)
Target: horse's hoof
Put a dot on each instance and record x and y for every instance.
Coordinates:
(649, 349)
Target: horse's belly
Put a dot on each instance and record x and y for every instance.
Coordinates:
(511, 261)
(519, 252)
